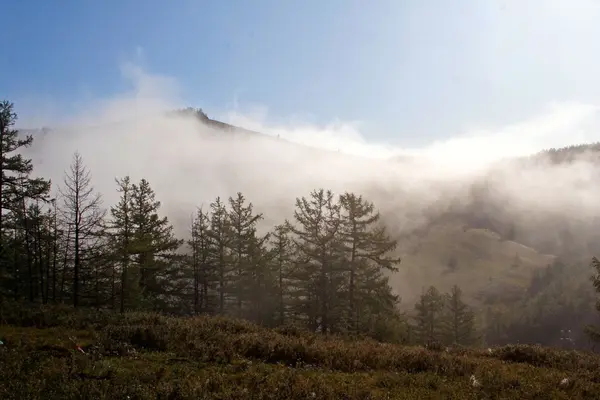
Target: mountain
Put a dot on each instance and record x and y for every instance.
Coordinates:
(489, 234)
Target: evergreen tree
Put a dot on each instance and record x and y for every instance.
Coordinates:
(261, 282)
(593, 331)
(366, 247)
(121, 231)
(460, 320)
(429, 323)
(204, 274)
(242, 222)
(153, 247)
(281, 256)
(16, 188)
(219, 236)
(318, 273)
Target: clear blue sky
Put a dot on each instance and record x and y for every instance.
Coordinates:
(414, 71)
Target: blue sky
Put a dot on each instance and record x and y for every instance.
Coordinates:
(412, 71)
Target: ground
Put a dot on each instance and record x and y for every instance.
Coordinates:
(141, 356)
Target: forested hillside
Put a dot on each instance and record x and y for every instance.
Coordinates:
(468, 271)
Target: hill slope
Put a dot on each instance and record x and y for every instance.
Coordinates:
(474, 243)
(466, 247)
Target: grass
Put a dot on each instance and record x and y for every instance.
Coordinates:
(146, 356)
(483, 264)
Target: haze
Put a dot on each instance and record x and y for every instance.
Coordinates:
(188, 167)
(414, 125)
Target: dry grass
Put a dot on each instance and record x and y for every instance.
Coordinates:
(483, 264)
(146, 356)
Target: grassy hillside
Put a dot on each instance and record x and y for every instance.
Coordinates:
(141, 356)
(456, 249)
(487, 267)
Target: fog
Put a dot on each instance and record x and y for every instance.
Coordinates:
(189, 164)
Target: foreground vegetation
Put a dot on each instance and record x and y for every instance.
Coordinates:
(74, 354)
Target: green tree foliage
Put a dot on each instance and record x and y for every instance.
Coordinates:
(326, 269)
(17, 192)
(241, 246)
(459, 322)
(429, 318)
(365, 249)
(120, 233)
(593, 331)
(203, 270)
(219, 236)
(318, 267)
(282, 257)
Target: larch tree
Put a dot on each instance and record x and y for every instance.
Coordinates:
(202, 268)
(281, 258)
(261, 286)
(459, 320)
(317, 266)
(154, 247)
(16, 187)
(242, 221)
(428, 318)
(83, 213)
(593, 332)
(219, 236)
(366, 247)
(120, 232)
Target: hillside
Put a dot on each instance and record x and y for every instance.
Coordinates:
(474, 233)
(488, 268)
(495, 268)
(145, 356)
(470, 246)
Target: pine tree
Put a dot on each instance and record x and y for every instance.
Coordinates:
(366, 248)
(204, 274)
(593, 331)
(83, 213)
(460, 320)
(318, 271)
(121, 231)
(16, 187)
(281, 256)
(219, 236)
(429, 323)
(242, 222)
(153, 246)
(261, 283)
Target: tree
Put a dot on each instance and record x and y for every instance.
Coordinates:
(429, 325)
(202, 268)
(82, 212)
(460, 320)
(242, 222)
(153, 246)
(261, 284)
(16, 188)
(219, 236)
(593, 331)
(281, 256)
(318, 273)
(366, 247)
(120, 231)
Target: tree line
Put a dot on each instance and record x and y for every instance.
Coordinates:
(326, 269)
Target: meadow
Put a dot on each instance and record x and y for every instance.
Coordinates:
(62, 353)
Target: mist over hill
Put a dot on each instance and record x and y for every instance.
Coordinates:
(544, 203)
